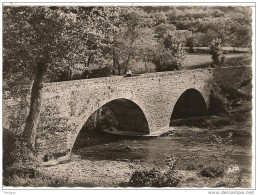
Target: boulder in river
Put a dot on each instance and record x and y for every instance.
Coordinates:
(127, 149)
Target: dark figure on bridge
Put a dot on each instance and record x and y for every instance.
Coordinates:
(128, 73)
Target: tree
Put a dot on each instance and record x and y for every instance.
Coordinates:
(172, 15)
(38, 39)
(163, 29)
(145, 46)
(131, 24)
(33, 43)
(170, 55)
(159, 18)
(90, 33)
(190, 42)
(216, 53)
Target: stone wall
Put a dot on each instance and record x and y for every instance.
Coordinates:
(67, 105)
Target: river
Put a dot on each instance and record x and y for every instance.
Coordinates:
(192, 146)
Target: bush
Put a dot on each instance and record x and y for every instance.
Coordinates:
(218, 103)
(14, 150)
(223, 98)
(9, 140)
(171, 56)
(165, 61)
(225, 149)
(156, 178)
(216, 53)
(190, 42)
(224, 146)
(212, 171)
(235, 94)
(101, 72)
(145, 178)
(17, 161)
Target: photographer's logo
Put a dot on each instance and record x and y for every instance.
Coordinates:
(233, 169)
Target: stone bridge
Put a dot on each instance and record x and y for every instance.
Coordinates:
(142, 105)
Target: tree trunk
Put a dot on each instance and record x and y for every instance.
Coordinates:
(89, 59)
(29, 133)
(116, 62)
(85, 62)
(145, 63)
(119, 69)
(70, 72)
(127, 62)
(129, 54)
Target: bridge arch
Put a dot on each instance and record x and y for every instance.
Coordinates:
(128, 117)
(189, 104)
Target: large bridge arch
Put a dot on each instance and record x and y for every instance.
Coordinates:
(130, 114)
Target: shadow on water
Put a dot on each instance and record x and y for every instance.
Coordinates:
(100, 145)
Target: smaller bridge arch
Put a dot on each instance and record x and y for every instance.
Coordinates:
(189, 104)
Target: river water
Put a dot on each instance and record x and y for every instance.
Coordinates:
(192, 146)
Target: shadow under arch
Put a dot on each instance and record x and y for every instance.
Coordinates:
(119, 116)
(191, 103)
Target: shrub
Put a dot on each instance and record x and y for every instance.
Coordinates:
(212, 171)
(216, 53)
(14, 149)
(17, 161)
(225, 149)
(101, 72)
(145, 178)
(224, 146)
(222, 98)
(165, 61)
(218, 103)
(236, 94)
(156, 178)
(190, 42)
(9, 142)
(171, 55)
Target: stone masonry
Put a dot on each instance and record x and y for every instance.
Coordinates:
(66, 106)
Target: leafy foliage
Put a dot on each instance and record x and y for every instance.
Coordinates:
(67, 36)
(101, 72)
(156, 178)
(212, 170)
(218, 102)
(225, 149)
(224, 145)
(217, 53)
(164, 29)
(31, 35)
(171, 55)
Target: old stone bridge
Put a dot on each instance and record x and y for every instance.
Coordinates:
(142, 105)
